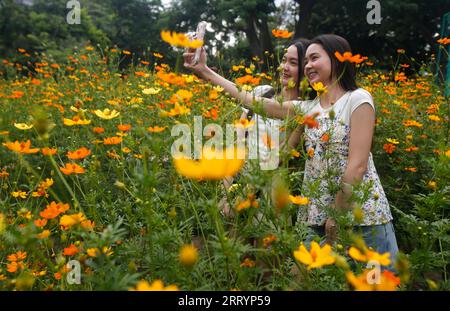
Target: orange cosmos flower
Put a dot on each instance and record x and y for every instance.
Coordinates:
(71, 250)
(325, 137)
(72, 168)
(409, 123)
(389, 148)
(124, 127)
(98, 130)
(21, 147)
(112, 140)
(14, 266)
(40, 222)
(48, 151)
(349, 57)
(310, 120)
(413, 148)
(268, 240)
(79, 153)
(248, 263)
(19, 256)
(444, 41)
(156, 129)
(411, 169)
(248, 79)
(53, 210)
(281, 33)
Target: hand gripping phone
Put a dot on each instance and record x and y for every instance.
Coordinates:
(199, 35)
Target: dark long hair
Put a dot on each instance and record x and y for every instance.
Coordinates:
(332, 43)
(301, 44)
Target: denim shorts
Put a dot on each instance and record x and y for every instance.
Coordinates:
(381, 238)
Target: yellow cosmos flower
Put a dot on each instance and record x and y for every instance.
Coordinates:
(447, 153)
(319, 88)
(317, 257)
(23, 126)
(393, 141)
(177, 110)
(19, 194)
(212, 165)
(44, 234)
(184, 95)
(295, 153)
(68, 221)
(107, 114)
(76, 121)
(299, 200)
(151, 91)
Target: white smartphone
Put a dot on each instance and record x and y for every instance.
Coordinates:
(199, 35)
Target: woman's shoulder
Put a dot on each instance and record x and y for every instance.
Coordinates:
(360, 94)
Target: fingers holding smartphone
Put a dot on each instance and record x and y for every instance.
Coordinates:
(189, 60)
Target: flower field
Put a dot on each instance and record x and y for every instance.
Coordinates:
(87, 178)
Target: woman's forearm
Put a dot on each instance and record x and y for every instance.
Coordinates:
(271, 107)
(352, 176)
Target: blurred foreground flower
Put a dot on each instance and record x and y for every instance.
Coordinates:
(180, 40)
(188, 255)
(23, 126)
(364, 282)
(366, 255)
(157, 285)
(21, 147)
(213, 165)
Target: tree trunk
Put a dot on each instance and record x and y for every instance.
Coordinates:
(252, 37)
(265, 36)
(304, 16)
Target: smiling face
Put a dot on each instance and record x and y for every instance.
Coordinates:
(317, 65)
(290, 66)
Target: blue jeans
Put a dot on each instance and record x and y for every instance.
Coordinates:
(379, 237)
